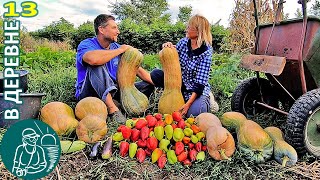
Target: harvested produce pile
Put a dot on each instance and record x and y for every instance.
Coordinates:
(167, 138)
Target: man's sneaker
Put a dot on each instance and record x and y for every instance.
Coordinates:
(214, 107)
(118, 117)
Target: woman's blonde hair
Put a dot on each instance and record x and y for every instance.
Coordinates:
(203, 27)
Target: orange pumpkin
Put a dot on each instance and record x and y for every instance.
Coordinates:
(91, 106)
(60, 117)
(91, 129)
(220, 143)
(206, 120)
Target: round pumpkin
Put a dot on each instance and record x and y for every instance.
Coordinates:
(91, 129)
(220, 143)
(60, 117)
(207, 120)
(91, 106)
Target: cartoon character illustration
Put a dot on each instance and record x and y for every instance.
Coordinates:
(29, 157)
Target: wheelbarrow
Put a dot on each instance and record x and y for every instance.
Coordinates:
(288, 53)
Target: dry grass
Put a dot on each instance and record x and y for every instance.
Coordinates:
(242, 22)
(30, 44)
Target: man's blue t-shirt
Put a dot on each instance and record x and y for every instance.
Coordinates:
(89, 45)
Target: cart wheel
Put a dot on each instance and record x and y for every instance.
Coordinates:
(247, 93)
(303, 124)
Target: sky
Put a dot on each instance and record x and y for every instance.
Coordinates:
(80, 11)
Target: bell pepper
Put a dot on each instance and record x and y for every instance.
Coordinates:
(158, 116)
(200, 135)
(183, 156)
(201, 156)
(188, 132)
(172, 158)
(135, 134)
(142, 143)
(141, 155)
(177, 116)
(168, 130)
(162, 161)
(141, 123)
(193, 155)
(151, 120)
(181, 124)
(190, 145)
(132, 149)
(190, 120)
(159, 132)
(178, 134)
(130, 123)
(203, 148)
(164, 144)
(187, 162)
(186, 140)
(160, 123)
(152, 143)
(126, 132)
(168, 119)
(198, 146)
(124, 148)
(194, 139)
(144, 133)
(195, 129)
(117, 137)
(156, 154)
(179, 148)
(120, 127)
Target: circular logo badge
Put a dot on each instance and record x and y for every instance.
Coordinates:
(30, 149)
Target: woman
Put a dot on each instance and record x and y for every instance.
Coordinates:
(195, 56)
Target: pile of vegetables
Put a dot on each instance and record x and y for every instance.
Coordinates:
(165, 139)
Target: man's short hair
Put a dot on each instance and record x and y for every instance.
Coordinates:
(101, 20)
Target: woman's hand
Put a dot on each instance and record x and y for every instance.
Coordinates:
(184, 109)
(168, 44)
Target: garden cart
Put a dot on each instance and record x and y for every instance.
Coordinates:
(286, 60)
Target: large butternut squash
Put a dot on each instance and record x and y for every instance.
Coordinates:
(253, 141)
(132, 100)
(283, 152)
(171, 99)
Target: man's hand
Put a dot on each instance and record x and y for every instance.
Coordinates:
(125, 47)
(168, 44)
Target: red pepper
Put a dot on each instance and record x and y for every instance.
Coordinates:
(126, 132)
(142, 143)
(124, 148)
(183, 156)
(141, 155)
(160, 123)
(190, 145)
(135, 134)
(162, 161)
(193, 155)
(151, 120)
(187, 162)
(198, 146)
(176, 116)
(204, 148)
(141, 123)
(179, 148)
(144, 133)
(181, 124)
(148, 152)
(173, 126)
(158, 116)
(120, 127)
(186, 139)
(152, 143)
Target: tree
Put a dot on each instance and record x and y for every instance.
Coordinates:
(141, 11)
(298, 13)
(315, 8)
(184, 13)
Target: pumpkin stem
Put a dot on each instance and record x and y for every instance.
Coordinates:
(223, 155)
(285, 159)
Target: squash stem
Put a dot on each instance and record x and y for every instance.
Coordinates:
(285, 159)
(223, 155)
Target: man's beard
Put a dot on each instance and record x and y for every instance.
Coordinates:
(111, 40)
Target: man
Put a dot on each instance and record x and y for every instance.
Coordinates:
(97, 63)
